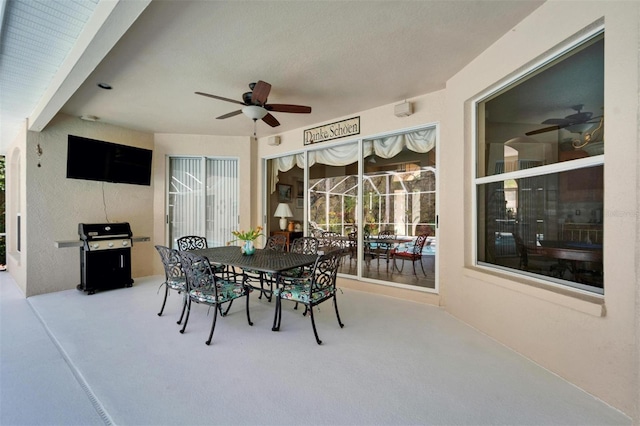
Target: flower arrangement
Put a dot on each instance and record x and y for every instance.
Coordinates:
(250, 235)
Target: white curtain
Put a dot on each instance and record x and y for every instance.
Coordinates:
(419, 141)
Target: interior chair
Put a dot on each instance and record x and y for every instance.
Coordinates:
(174, 278)
(412, 254)
(311, 290)
(275, 242)
(330, 241)
(353, 246)
(384, 249)
(206, 287)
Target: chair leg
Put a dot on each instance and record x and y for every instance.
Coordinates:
(184, 308)
(262, 290)
(227, 310)
(422, 266)
(335, 305)
(166, 292)
(213, 324)
(313, 323)
(186, 320)
(414, 267)
(248, 316)
(277, 316)
(395, 265)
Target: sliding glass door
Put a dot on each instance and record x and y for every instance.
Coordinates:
(375, 198)
(202, 198)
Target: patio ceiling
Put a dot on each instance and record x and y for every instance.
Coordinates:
(338, 57)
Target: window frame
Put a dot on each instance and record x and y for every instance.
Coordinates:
(476, 182)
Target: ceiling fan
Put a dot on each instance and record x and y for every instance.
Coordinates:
(575, 123)
(255, 105)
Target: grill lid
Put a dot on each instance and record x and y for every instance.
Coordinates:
(101, 231)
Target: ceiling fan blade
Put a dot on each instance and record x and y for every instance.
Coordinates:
(219, 98)
(557, 121)
(260, 93)
(231, 114)
(543, 130)
(298, 109)
(271, 120)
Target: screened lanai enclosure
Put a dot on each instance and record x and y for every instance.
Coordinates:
(376, 197)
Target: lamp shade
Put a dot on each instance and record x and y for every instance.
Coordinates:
(283, 211)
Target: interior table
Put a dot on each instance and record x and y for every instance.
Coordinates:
(570, 253)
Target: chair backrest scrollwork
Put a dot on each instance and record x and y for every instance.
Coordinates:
(276, 242)
(305, 245)
(171, 262)
(191, 242)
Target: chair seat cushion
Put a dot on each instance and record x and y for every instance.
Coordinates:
(406, 255)
(300, 293)
(226, 291)
(177, 283)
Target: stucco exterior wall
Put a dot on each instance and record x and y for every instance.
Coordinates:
(16, 203)
(592, 342)
(55, 205)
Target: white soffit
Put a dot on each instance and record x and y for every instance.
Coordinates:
(47, 49)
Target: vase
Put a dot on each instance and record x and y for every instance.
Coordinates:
(248, 248)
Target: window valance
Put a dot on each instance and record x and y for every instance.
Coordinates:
(420, 141)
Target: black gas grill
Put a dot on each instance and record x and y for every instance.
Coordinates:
(105, 256)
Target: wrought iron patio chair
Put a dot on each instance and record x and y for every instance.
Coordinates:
(413, 254)
(174, 276)
(303, 245)
(195, 242)
(204, 286)
(311, 290)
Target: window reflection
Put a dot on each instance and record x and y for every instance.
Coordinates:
(549, 225)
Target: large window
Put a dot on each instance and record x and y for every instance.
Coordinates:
(539, 177)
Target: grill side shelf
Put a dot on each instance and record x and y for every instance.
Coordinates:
(79, 243)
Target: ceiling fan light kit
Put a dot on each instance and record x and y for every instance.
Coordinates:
(254, 112)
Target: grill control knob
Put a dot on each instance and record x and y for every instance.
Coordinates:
(110, 244)
(95, 245)
(125, 243)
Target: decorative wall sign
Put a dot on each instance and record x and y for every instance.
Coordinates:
(327, 132)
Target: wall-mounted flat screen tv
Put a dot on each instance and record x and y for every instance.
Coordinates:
(92, 159)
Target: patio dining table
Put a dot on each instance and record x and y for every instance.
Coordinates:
(267, 261)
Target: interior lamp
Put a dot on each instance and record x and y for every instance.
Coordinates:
(283, 211)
